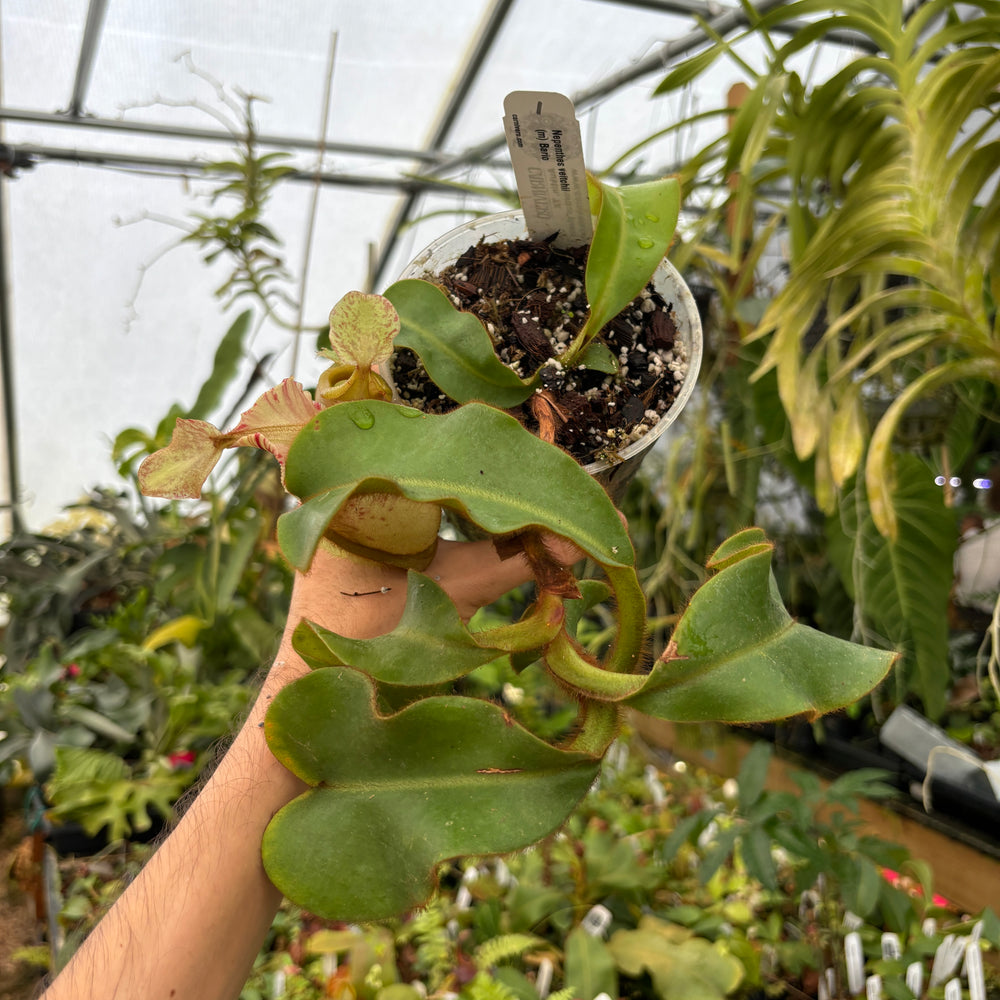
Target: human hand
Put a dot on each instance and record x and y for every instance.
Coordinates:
(360, 599)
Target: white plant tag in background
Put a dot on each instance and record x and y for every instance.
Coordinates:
(822, 989)
(953, 989)
(873, 988)
(915, 978)
(890, 945)
(651, 776)
(854, 958)
(950, 952)
(597, 921)
(974, 971)
(546, 151)
(972, 939)
(543, 978)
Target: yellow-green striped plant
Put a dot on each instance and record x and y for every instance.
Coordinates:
(881, 178)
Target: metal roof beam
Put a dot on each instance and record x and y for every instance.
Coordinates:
(485, 38)
(27, 155)
(655, 61)
(88, 50)
(213, 135)
(707, 9)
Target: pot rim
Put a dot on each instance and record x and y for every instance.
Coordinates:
(444, 250)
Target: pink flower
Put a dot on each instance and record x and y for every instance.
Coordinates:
(182, 760)
(898, 882)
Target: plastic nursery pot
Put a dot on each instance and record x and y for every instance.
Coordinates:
(613, 475)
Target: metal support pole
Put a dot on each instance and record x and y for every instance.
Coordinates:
(88, 49)
(11, 471)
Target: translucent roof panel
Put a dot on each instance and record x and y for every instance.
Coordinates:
(111, 323)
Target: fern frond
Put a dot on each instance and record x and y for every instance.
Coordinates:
(484, 987)
(568, 993)
(499, 949)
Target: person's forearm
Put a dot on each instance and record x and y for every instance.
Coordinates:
(194, 919)
(192, 922)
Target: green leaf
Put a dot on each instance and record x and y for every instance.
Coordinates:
(614, 865)
(395, 795)
(598, 357)
(682, 967)
(753, 775)
(900, 585)
(590, 968)
(476, 460)
(755, 849)
(737, 655)
(879, 470)
(454, 346)
(689, 70)
(634, 230)
(225, 366)
(413, 653)
(516, 981)
(100, 724)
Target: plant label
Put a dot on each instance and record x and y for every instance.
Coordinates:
(543, 978)
(890, 946)
(597, 921)
(950, 952)
(854, 958)
(651, 777)
(502, 873)
(953, 989)
(974, 971)
(915, 978)
(822, 989)
(873, 988)
(546, 151)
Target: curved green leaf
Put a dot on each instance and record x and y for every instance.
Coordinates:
(901, 584)
(737, 655)
(395, 795)
(690, 69)
(590, 969)
(431, 643)
(878, 467)
(476, 460)
(634, 231)
(682, 966)
(454, 346)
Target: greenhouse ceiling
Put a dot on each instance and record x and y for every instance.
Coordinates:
(110, 112)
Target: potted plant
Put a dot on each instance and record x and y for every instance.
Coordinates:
(437, 776)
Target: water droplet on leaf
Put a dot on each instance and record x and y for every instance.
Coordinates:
(645, 242)
(363, 417)
(652, 218)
